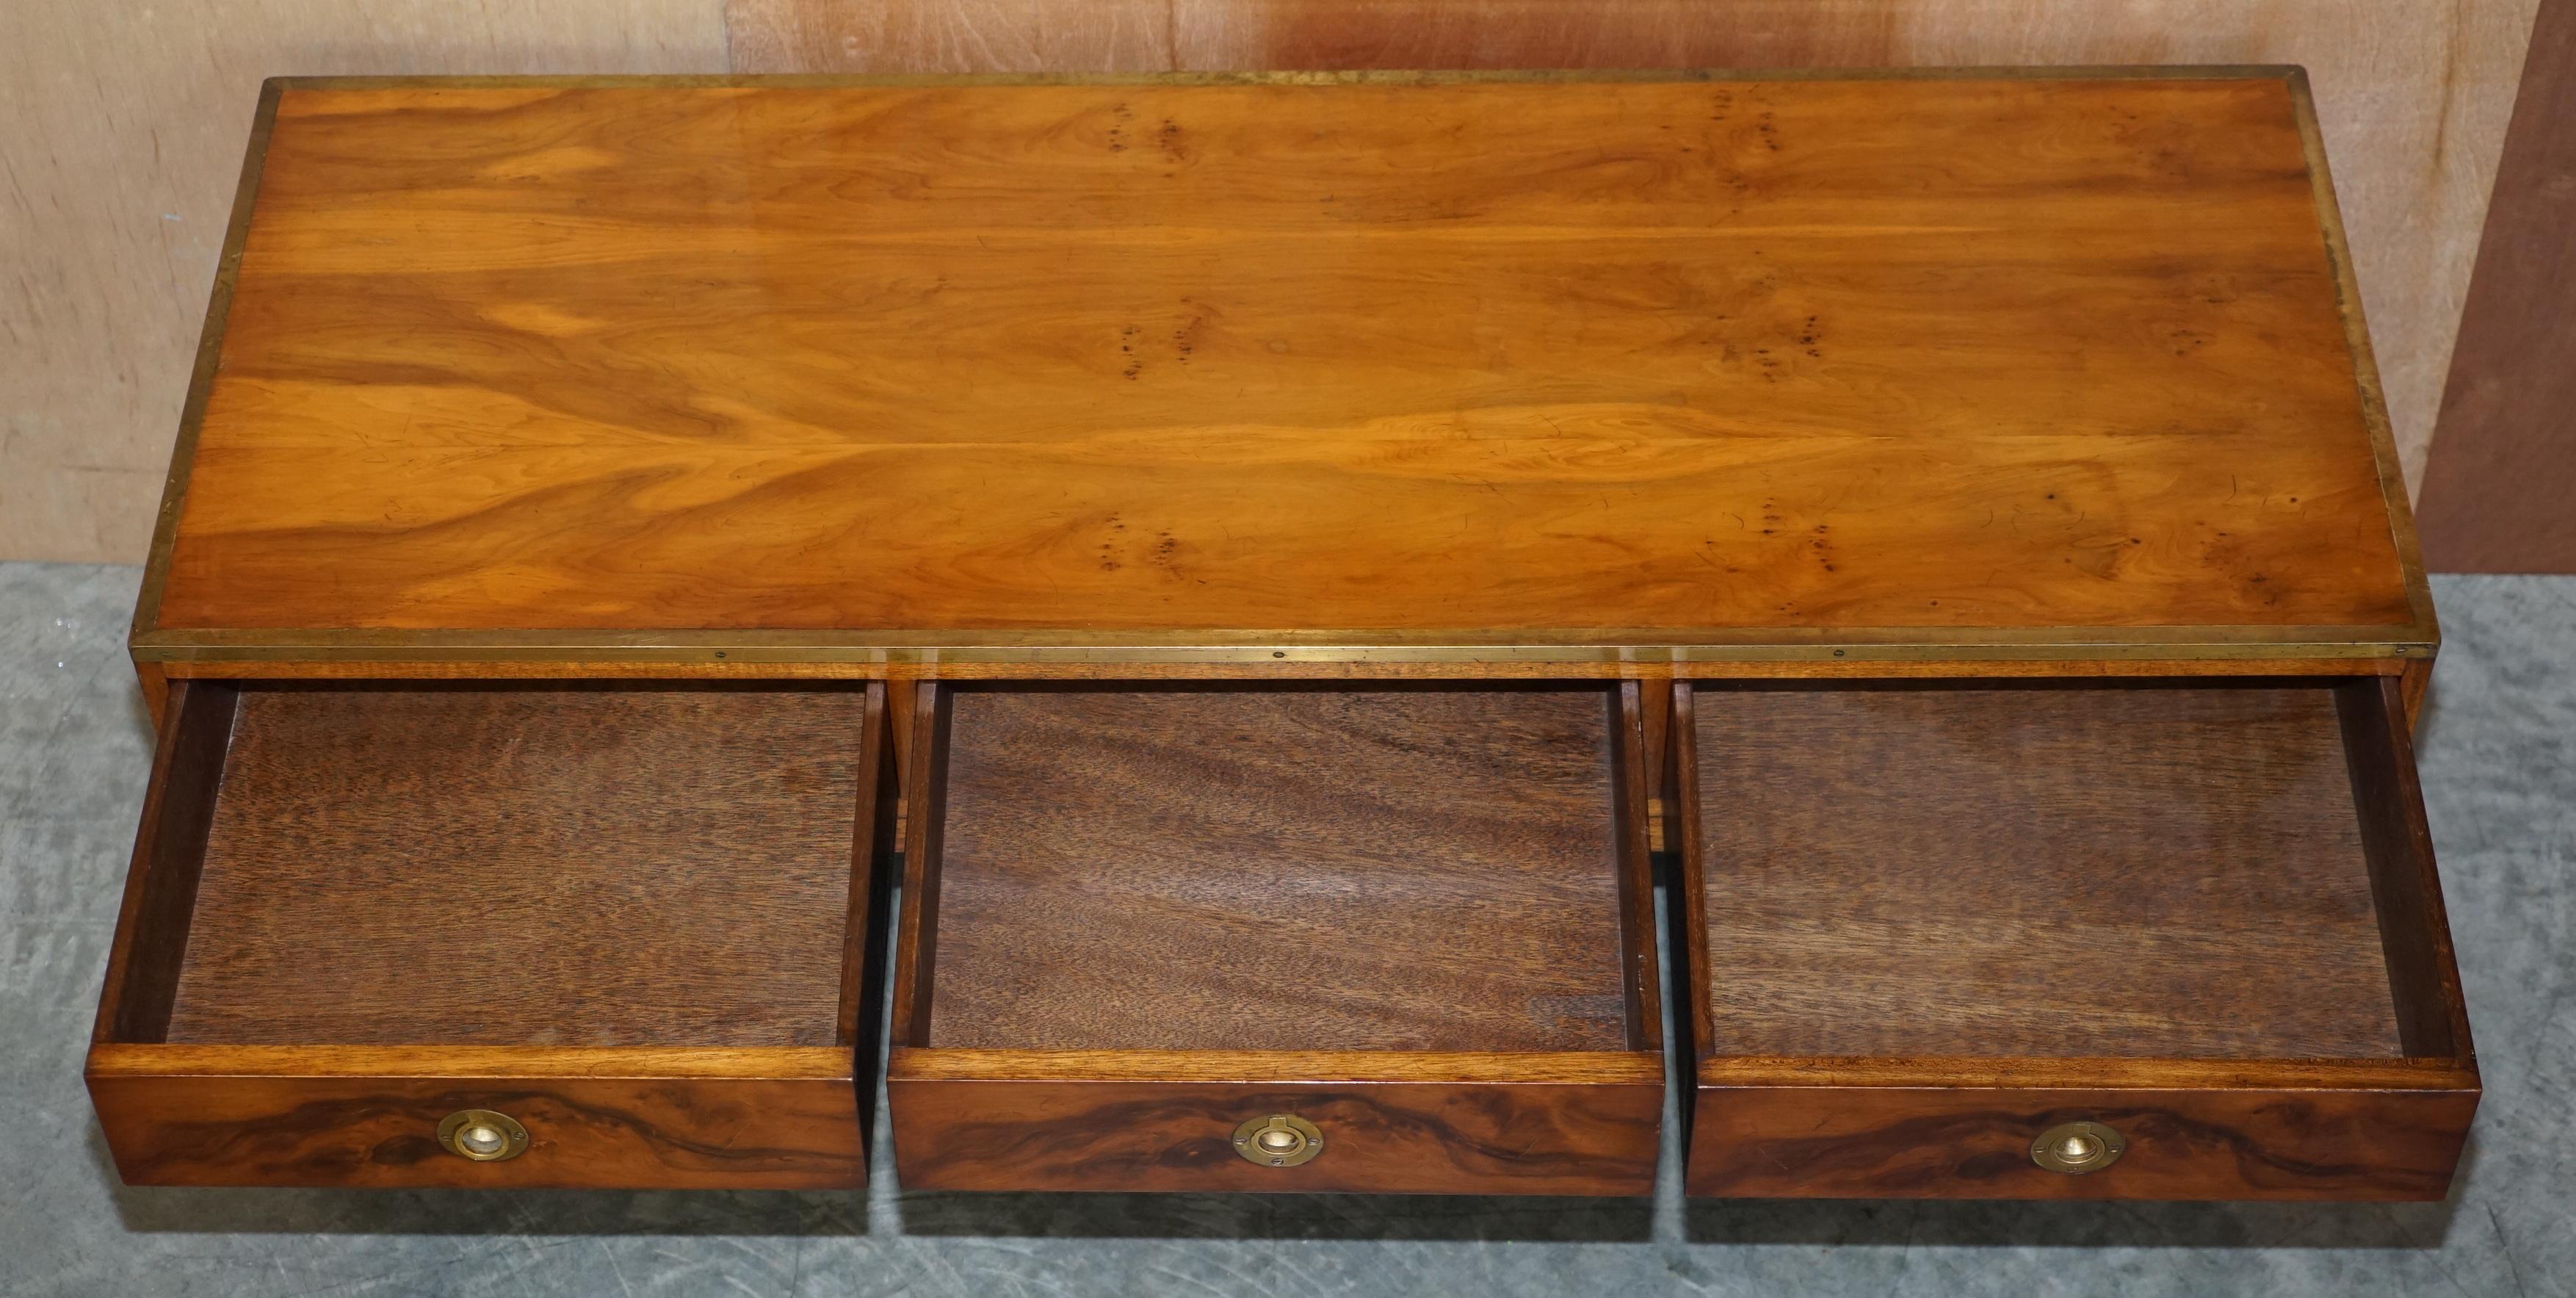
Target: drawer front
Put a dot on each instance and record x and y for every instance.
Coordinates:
(583, 1133)
(1407, 1138)
(1951, 1143)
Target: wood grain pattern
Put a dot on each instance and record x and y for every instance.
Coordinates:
(2066, 875)
(2496, 496)
(1420, 917)
(1654, 729)
(1250, 870)
(1560, 1068)
(115, 234)
(2406, 890)
(868, 926)
(1387, 1137)
(597, 1119)
(2415, 93)
(1634, 813)
(554, 866)
(357, 909)
(2414, 681)
(2127, 1073)
(123, 129)
(1958, 1142)
(925, 813)
(1639, 355)
(2037, 871)
(151, 941)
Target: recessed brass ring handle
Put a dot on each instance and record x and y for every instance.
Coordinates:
(1278, 1140)
(2078, 1147)
(482, 1135)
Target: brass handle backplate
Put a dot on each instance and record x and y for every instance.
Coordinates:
(1278, 1140)
(482, 1135)
(2078, 1147)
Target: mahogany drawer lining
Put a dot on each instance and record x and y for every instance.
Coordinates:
(1231, 869)
(583, 866)
(2063, 872)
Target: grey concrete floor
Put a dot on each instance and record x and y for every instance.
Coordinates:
(2499, 760)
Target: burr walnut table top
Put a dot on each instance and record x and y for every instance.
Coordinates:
(1448, 366)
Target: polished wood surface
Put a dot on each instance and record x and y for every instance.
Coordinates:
(122, 211)
(2036, 871)
(357, 1117)
(1493, 362)
(123, 130)
(1277, 869)
(1597, 1137)
(592, 866)
(1966, 1142)
(2205, 915)
(1559, 1068)
(2413, 94)
(144, 957)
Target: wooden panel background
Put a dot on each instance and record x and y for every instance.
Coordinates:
(2496, 496)
(122, 128)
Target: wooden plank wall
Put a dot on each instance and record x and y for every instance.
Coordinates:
(122, 127)
(2500, 492)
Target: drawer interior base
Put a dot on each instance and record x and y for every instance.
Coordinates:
(562, 867)
(2037, 871)
(1280, 870)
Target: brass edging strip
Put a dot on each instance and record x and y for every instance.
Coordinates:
(1355, 77)
(2365, 363)
(742, 649)
(210, 345)
(1793, 641)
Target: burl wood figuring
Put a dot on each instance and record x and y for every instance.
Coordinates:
(1025, 373)
(1297, 542)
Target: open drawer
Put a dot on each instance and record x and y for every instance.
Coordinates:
(2162, 940)
(1229, 937)
(598, 935)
